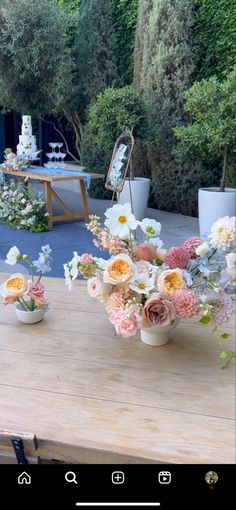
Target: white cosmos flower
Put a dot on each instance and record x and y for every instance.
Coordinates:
(231, 264)
(120, 220)
(151, 228)
(142, 284)
(12, 256)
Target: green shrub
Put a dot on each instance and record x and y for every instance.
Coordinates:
(114, 111)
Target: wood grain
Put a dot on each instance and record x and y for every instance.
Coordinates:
(90, 396)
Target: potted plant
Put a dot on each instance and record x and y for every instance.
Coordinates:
(27, 293)
(211, 105)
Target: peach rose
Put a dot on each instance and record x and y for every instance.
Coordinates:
(145, 251)
(13, 288)
(170, 281)
(119, 269)
(157, 311)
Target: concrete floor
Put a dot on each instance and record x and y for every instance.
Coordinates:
(65, 238)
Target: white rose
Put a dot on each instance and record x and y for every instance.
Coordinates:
(97, 289)
(12, 256)
(202, 249)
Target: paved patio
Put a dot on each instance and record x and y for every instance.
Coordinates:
(65, 238)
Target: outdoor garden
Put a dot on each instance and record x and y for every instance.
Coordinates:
(137, 101)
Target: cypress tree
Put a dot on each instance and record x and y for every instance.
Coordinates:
(163, 71)
(96, 50)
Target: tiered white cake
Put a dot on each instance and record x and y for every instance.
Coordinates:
(26, 148)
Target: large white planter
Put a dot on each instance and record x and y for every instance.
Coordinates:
(140, 188)
(214, 204)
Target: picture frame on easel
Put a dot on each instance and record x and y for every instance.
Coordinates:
(120, 162)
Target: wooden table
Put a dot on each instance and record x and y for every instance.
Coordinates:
(47, 180)
(90, 396)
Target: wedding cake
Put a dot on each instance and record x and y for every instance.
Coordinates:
(26, 148)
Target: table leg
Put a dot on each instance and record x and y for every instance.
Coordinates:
(48, 200)
(84, 198)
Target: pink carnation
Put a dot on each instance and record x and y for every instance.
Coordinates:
(177, 257)
(186, 303)
(191, 244)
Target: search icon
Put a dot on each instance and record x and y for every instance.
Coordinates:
(70, 477)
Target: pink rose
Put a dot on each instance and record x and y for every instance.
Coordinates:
(36, 292)
(127, 322)
(158, 311)
(145, 251)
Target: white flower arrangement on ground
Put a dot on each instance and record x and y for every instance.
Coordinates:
(145, 285)
(20, 209)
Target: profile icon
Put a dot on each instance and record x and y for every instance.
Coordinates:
(211, 477)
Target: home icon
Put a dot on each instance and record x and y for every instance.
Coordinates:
(24, 478)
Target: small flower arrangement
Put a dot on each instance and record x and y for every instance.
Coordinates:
(14, 162)
(21, 209)
(29, 292)
(143, 285)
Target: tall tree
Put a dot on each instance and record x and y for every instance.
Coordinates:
(125, 14)
(96, 50)
(37, 68)
(163, 71)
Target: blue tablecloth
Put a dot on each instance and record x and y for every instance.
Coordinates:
(54, 171)
(58, 171)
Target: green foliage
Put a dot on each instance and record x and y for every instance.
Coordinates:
(163, 71)
(212, 106)
(214, 37)
(96, 46)
(36, 68)
(70, 5)
(125, 14)
(114, 110)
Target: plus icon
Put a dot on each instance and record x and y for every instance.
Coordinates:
(118, 477)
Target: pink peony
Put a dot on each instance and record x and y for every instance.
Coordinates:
(158, 311)
(177, 257)
(191, 244)
(186, 303)
(145, 251)
(126, 321)
(36, 292)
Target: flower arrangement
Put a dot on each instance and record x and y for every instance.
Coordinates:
(143, 285)
(29, 292)
(20, 209)
(13, 162)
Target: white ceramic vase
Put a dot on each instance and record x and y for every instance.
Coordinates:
(158, 335)
(30, 317)
(139, 188)
(214, 204)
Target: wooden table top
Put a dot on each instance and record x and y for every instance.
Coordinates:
(43, 176)
(101, 398)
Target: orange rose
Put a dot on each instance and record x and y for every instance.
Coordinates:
(14, 287)
(119, 269)
(170, 281)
